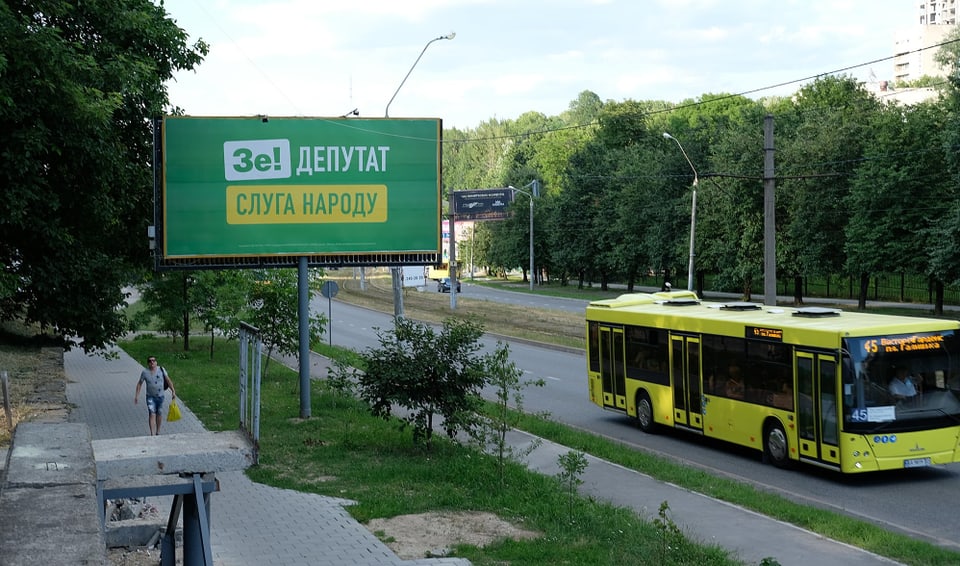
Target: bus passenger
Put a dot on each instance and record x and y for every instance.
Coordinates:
(902, 385)
(734, 383)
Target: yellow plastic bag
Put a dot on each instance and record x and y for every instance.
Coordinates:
(174, 413)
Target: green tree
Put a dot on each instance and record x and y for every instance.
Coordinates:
(273, 309)
(427, 375)
(217, 298)
(818, 159)
(510, 244)
(572, 465)
(895, 194)
(576, 226)
(479, 245)
(923, 81)
(722, 135)
(167, 298)
(944, 254)
(640, 225)
(477, 158)
(730, 200)
(219, 301)
(551, 160)
(508, 384)
(79, 85)
(585, 109)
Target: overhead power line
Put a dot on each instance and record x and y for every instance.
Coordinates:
(718, 98)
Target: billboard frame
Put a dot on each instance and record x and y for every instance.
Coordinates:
(411, 250)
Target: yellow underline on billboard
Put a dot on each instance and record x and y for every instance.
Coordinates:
(306, 204)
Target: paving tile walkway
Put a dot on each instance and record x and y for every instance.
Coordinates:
(251, 524)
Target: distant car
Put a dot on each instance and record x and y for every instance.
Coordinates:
(443, 286)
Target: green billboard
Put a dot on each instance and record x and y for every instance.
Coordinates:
(240, 187)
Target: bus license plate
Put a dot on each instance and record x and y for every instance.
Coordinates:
(916, 463)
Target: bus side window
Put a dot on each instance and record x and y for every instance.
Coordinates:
(594, 346)
(710, 382)
(735, 387)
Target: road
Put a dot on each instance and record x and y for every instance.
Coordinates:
(909, 501)
(523, 299)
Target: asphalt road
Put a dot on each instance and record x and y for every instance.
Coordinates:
(909, 501)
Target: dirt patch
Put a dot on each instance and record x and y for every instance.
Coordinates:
(434, 534)
(36, 387)
(134, 557)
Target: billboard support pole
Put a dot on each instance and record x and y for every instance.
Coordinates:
(396, 276)
(303, 315)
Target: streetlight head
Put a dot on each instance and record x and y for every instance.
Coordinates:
(450, 35)
(668, 136)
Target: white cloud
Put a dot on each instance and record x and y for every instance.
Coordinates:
(312, 57)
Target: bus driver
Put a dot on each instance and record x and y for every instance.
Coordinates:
(901, 386)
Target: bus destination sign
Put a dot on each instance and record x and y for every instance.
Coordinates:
(894, 344)
(762, 333)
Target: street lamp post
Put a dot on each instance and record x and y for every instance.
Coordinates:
(396, 273)
(532, 183)
(693, 211)
(451, 35)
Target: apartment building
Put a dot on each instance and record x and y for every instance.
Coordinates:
(914, 49)
(943, 13)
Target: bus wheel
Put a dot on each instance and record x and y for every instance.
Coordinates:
(775, 447)
(645, 413)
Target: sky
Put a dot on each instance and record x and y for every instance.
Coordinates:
(323, 58)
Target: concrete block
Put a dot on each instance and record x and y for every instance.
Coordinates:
(134, 532)
(202, 452)
(54, 526)
(51, 454)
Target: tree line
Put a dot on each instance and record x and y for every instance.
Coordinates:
(864, 187)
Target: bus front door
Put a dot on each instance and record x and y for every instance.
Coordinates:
(817, 418)
(612, 367)
(685, 376)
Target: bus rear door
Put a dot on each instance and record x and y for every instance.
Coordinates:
(817, 419)
(612, 372)
(685, 375)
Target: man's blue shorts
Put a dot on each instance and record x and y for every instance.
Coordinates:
(154, 404)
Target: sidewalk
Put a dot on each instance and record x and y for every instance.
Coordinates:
(251, 524)
(255, 524)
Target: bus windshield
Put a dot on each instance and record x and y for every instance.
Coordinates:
(901, 382)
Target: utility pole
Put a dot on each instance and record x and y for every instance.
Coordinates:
(452, 266)
(769, 217)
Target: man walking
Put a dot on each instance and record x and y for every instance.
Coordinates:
(157, 380)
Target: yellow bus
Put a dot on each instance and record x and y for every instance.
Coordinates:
(848, 391)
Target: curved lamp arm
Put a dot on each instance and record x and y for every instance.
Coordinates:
(693, 212)
(451, 35)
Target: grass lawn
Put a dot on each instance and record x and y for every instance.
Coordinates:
(523, 322)
(342, 451)
(349, 454)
